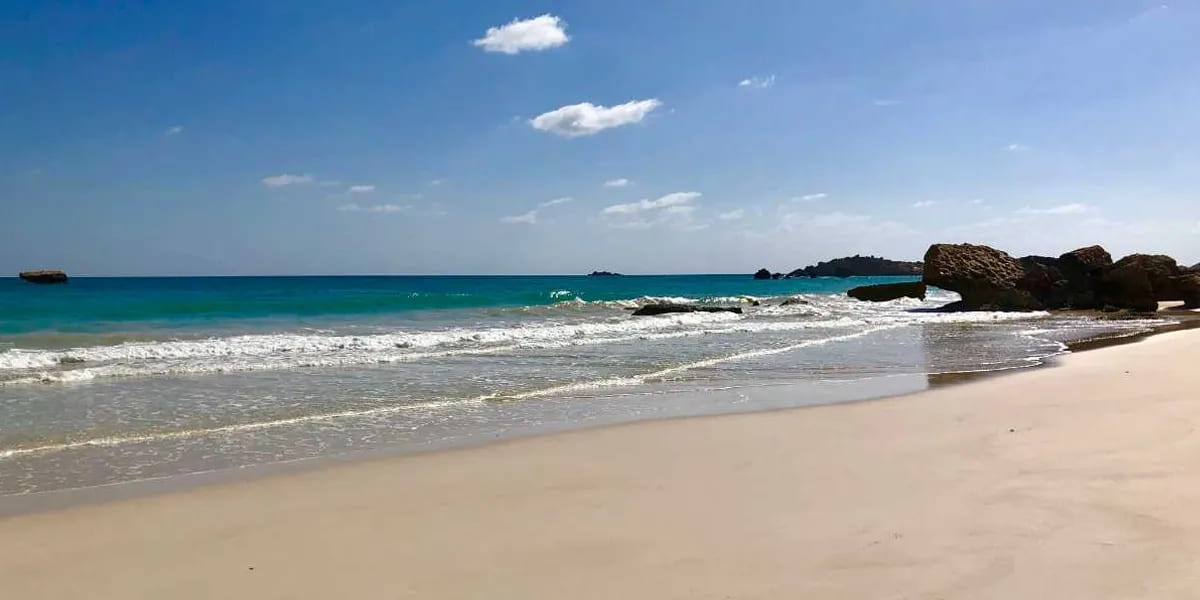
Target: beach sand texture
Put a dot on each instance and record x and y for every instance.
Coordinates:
(1081, 481)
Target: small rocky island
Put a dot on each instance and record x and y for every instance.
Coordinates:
(859, 266)
(604, 274)
(43, 276)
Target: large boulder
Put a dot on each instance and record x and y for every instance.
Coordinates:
(43, 276)
(762, 274)
(664, 308)
(1188, 286)
(986, 278)
(1161, 271)
(1127, 286)
(888, 291)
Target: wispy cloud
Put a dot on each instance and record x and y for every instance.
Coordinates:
(375, 208)
(811, 197)
(529, 218)
(758, 82)
(361, 189)
(977, 201)
(886, 102)
(622, 182)
(923, 204)
(582, 119)
(556, 201)
(732, 215)
(1062, 209)
(435, 182)
(176, 130)
(674, 199)
(1015, 147)
(285, 179)
(539, 33)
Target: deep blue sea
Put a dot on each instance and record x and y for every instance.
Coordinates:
(106, 380)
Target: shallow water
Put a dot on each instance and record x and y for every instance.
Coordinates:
(103, 381)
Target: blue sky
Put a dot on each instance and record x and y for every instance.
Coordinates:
(296, 137)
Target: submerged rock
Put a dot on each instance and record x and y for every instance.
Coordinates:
(888, 291)
(43, 276)
(794, 301)
(664, 308)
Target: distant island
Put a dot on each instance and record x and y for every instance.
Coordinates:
(604, 274)
(851, 266)
(43, 276)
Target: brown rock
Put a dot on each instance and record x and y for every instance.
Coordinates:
(1160, 269)
(986, 278)
(888, 291)
(660, 309)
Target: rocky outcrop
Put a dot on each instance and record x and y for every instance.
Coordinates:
(860, 266)
(794, 301)
(43, 276)
(603, 274)
(762, 274)
(986, 278)
(888, 291)
(1188, 286)
(1087, 278)
(661, 309)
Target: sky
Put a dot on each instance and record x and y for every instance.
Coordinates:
(505, 137)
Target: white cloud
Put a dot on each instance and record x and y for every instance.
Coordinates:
(732, 215)
(923, 204)
(582, 119)
(1015, 147)
(674, 199)
(538, 33)
(811, 197)
(374, 208)
(1063, 209)
(286, 179)
(886, 102)
(556, 201)
(435, 182)
(176, 130)
(758, 82)
(361, 189)
(622, 182)
(977, 201)
(529, 218)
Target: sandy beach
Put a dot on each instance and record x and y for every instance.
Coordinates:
(1078, 481)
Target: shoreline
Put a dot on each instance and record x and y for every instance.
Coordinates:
(18, 505)
(1063, 482)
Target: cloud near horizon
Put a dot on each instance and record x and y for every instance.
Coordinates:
(361, 189)
(621, 182)
(287, 179)
(669, 200)
(758, 82)
(539, 33)
(585, 118)
(530, 217)
(1075, 208)
(374, 208)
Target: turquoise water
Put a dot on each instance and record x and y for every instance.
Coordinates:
(98, 305)
(111, 380)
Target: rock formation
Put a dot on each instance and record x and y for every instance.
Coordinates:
(664, 308)
(43, 276)
(851, 266)
(889, 291)
(1087, 278)
(762, 274)
(603, 274)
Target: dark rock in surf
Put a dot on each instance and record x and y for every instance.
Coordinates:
(43, 276)
(888, 291)
(662, 309)
(794, 302)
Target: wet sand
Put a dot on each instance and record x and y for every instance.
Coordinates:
(1073, 482)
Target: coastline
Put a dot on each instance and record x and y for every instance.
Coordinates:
(871, 390)
(952, 487)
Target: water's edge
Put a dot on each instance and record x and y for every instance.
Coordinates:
(882, 388)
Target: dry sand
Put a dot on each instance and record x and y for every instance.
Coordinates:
(1075, 482)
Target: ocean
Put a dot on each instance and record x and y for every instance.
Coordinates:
(108, 380)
